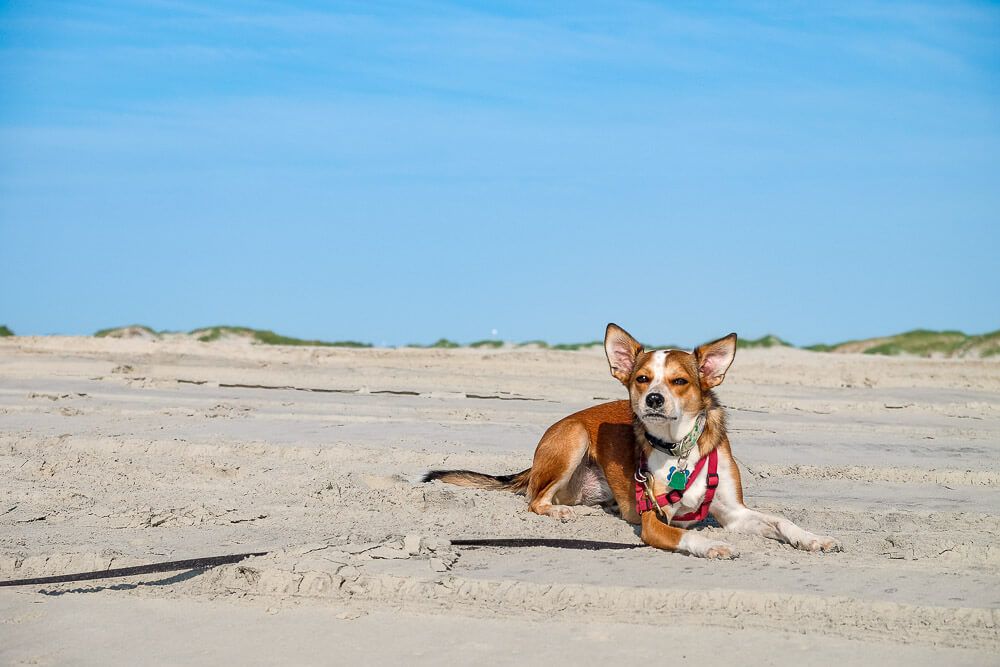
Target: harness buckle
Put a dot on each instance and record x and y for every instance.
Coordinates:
(712, 480)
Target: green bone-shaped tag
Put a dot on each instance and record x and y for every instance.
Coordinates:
(678, 480)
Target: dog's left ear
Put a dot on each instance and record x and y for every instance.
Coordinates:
(714, 359)
(622, 350)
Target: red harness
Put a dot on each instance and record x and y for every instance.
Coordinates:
(643, 503)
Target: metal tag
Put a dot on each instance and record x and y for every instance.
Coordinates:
(678, 479)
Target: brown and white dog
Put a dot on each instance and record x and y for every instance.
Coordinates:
(590, 457)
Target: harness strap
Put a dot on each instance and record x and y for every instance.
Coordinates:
(644, 504)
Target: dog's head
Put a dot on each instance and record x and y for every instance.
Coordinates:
(667, 387)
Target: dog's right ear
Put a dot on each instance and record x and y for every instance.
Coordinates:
(622, 350)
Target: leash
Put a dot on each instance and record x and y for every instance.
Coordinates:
(554, 542)
(214, 561)
(168, 566)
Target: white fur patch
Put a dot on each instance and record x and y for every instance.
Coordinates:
(660, 464)
(594, 488)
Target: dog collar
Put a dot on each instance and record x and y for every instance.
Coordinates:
(682, 447)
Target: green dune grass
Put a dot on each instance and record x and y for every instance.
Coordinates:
(925, 343)
(919, 342)
(4, 331)
(486, 343)
(577, 346)
(267, 337)
(445, 343)
(441, 343)
(770, 340)
(111, 331)
(213, 333)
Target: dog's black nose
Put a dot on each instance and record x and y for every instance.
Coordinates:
(654, 401)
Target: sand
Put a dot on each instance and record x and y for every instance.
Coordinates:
(123, 452)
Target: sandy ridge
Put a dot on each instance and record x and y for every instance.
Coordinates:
(294, 573)
(883, 621)
(892, 474)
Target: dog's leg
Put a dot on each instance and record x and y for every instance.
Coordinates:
(618, 465)
(729, 510)
(559, 454)
(657, 534)
(745, 520)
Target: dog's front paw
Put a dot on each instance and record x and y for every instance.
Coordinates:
(561, 512)
(702, 547)
(822, 543)
(722, 551)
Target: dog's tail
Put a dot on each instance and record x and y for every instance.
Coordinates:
(516, 483)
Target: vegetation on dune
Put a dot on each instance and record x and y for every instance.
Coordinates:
(919, 342)
(116, 332)
(209, 334)
(266, 337)
(922, 343)
(925, 343)
(989, 343)
(578, 346)
(486, 343)
(271, 338)
(770, 340)
(439, 343)
(5, 331)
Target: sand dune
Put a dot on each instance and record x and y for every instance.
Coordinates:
(116, 452)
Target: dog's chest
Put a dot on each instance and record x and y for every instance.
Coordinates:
(660, 465)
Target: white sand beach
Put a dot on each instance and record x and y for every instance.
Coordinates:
(123, 452)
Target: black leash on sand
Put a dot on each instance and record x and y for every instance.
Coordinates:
(558, 543)
(169, 566)
(213, 561)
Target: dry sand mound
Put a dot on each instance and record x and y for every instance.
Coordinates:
(121, 452)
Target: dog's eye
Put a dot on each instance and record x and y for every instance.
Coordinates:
(678, 381)
(642, 379)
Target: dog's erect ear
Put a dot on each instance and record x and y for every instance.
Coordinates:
(714, 360)
(622, 350)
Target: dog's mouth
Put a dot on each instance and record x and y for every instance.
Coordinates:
(658, 415)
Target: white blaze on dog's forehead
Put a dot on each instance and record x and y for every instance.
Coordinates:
(659, 358)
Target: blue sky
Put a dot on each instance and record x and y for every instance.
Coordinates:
(397, 172)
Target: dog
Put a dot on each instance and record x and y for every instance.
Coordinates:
(662, 456)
